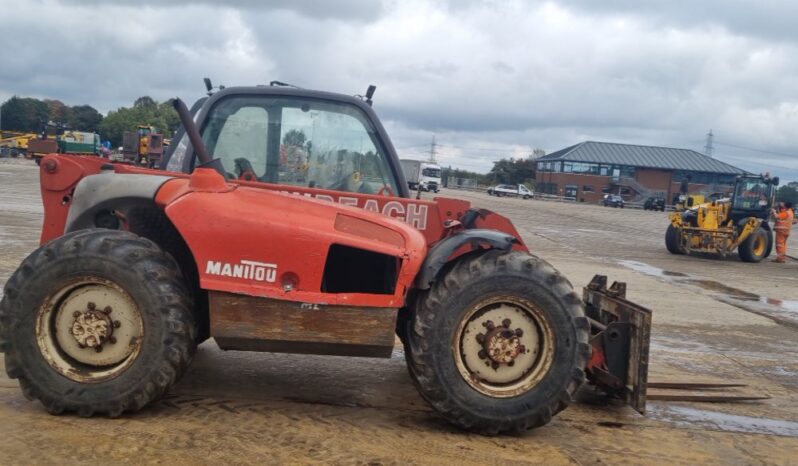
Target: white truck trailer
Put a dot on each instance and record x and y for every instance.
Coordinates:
(424, 176)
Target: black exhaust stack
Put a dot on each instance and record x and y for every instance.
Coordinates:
(194, 137)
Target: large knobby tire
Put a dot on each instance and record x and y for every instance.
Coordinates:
(527, 313)
(61, 303)
(755, 247)
(673, 240)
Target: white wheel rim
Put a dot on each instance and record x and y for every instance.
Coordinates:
(503, 346)
(90, 330)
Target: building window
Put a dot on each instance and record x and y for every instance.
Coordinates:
(587, 188)
(703, 177)
(581, 167)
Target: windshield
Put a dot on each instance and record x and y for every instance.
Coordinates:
(752, 193)
(431, 172)
(300, 142)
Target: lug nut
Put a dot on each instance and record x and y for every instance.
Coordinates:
(482, 354)
(519, 333)
(489, 325)
(107, 309)
(507, 334)
(98, 348)
(480, 338)
(494, 365)
(506, 323)
(76, 314)
(522, 348)
(511, 363)
(117, 324)
(91, 306)
(112, 339)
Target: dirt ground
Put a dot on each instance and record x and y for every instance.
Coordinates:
(714, 320)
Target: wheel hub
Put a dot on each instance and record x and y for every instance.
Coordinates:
(507, 358)
(501, 344)
(90, 330)
(93, 327)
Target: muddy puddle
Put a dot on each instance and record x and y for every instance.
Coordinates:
(780, 310)
(684, 416)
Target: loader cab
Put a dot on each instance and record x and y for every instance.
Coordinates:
(294, 137)
(753, 196)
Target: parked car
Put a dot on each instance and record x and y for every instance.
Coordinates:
(654, 203)
(613, 200)
(511, 190)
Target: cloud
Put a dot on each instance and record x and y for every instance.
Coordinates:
(347, 10)
(509, 76)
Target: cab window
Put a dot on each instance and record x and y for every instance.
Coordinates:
(298, 142)
(752, 194)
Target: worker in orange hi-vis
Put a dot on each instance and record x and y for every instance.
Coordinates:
(784, 217)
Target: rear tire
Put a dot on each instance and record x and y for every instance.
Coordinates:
(673, 240)
(755, 247)
(145, 341)
(527, 298)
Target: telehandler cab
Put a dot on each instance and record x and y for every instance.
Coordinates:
(281, 221)
(723, 225)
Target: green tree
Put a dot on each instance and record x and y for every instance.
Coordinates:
(513, 171)
(23, 114)
(59, 112)
(294, 137)
(145, 111)
(85, 118)
(145, 101)
(788, 193)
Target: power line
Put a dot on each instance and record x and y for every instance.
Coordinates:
(759, 162)
(756, 150)
(490, 149)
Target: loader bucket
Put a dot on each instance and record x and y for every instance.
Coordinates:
(620, 333)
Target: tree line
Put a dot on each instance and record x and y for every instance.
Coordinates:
(504, 171)
(28, 114)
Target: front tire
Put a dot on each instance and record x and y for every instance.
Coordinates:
(97, 322)
(755, 247)
(526, 314)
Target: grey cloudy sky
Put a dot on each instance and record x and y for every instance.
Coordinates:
(489, 78)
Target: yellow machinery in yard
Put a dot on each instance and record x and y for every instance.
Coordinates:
(143, 146)
(14, 144)
(723, 225)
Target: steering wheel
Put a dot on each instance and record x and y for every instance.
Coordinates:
(385, 189)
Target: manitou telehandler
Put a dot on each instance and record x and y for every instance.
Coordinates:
(281, 222)
(720, 226)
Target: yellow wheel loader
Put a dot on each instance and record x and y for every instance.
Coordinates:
(723, 225)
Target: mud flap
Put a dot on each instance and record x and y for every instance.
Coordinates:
(620, 334)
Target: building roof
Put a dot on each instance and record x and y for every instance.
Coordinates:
(665, 158)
